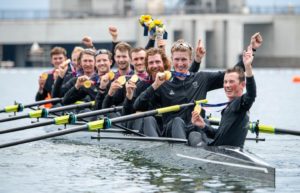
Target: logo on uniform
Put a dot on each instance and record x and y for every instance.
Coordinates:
(195, 84)
(171, 92)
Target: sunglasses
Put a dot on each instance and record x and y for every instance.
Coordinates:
(179, 45)
(102, 51)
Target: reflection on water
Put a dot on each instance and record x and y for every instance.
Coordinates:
(69, 166)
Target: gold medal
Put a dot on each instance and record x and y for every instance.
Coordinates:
(87, 84)
(198, 109)
(134, 78)
(44, 76)
(111, 75)
(65, 63)
(168, 75)
(122, 80)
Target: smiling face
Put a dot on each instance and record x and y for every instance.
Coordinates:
(155, 64)
(138, 60)
(88, 64)
(74, 58)
(122, 59)
(233, 87)
(181, 61)
(103, 63)
(57, 59)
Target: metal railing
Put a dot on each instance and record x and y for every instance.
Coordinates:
(51, 14)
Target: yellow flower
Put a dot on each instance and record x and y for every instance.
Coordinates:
(157, 22)
(151, 25)
(147, 18)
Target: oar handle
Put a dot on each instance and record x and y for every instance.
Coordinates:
(65, 119)
(19, 107)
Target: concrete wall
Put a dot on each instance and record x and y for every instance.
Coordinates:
(225, 36)
(65, 31)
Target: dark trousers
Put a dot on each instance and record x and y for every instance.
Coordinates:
(176, 128)
(146, 125)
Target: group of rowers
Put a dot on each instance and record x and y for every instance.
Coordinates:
(143, 81)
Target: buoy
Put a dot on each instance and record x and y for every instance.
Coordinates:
(296, 79)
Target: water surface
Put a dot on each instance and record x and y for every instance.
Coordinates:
(66, 166)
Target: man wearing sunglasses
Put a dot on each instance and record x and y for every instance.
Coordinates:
(86, 87)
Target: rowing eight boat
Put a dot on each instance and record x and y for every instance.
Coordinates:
(175, 153)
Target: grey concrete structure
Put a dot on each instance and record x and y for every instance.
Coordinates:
(224, 35)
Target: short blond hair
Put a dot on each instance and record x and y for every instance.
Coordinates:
(77, 49)
(182, 46)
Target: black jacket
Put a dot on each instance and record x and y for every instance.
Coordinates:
(235, 119)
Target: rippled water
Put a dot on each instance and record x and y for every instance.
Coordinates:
(66, 166)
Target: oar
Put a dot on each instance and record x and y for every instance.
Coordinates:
(163, 139)
(256, 126)
(45, 112)
(20, 107)
(129, 130)
(65, 119)
(160, 139)
(104, 123)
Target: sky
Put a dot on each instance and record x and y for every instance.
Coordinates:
(44, 4)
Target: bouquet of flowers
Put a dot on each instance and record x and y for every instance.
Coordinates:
(158, 29)
(155, 27)
(145, 21)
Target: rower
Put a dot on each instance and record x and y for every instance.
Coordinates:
(183, 87)
(156, 61)
(64, 75)
(86, 87)
(74, 89)
(115, 93)
(46, 79)
(235, 120)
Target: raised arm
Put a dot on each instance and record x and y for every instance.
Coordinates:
(247, 60)
(255, 42)
(199, 54)
(113, 31)
(250, 95)
(88, 42)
